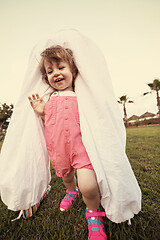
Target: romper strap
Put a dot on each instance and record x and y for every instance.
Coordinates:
(72, 192)
(95, 214)
(19, 216)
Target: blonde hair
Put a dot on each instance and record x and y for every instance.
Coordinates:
(58, 54)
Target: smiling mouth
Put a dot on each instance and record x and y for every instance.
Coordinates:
(59, 80)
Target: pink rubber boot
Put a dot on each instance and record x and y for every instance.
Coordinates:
(95, 225)
(68, 200)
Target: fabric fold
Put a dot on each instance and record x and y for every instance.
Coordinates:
(24, 161)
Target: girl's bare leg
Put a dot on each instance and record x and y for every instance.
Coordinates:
(88, 186)
(70, 181)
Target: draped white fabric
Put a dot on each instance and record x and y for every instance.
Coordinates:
(24, 162)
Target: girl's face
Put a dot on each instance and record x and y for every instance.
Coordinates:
(59, 75)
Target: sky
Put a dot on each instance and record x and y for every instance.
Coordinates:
(127, 32)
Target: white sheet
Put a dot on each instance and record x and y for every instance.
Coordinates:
(24, 162)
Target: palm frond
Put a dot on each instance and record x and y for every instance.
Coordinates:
(151, 85)
(155, 85)
(146, 93)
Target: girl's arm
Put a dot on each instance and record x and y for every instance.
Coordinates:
(37, 104)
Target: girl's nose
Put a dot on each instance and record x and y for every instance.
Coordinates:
(56, 73)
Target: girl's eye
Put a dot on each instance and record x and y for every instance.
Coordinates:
(61, 68)
(49, 72)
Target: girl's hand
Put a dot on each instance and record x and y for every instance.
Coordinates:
(37, 104)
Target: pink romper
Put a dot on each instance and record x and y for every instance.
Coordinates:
(63, 135)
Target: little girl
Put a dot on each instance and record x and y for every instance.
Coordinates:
(63, 135)
(82, 128)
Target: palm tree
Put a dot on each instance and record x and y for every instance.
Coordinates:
(123, 100)
(155, 86)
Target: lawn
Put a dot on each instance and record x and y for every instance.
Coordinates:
(143, 150)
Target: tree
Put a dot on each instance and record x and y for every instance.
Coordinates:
(5, 114)
(123, 100)
(155, 86)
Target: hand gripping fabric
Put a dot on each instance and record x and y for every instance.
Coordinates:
(95, 225)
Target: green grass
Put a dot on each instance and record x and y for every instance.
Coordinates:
(49, 223)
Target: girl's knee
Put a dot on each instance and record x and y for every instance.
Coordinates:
(69, 178)
(87, 182)
(89, 190)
